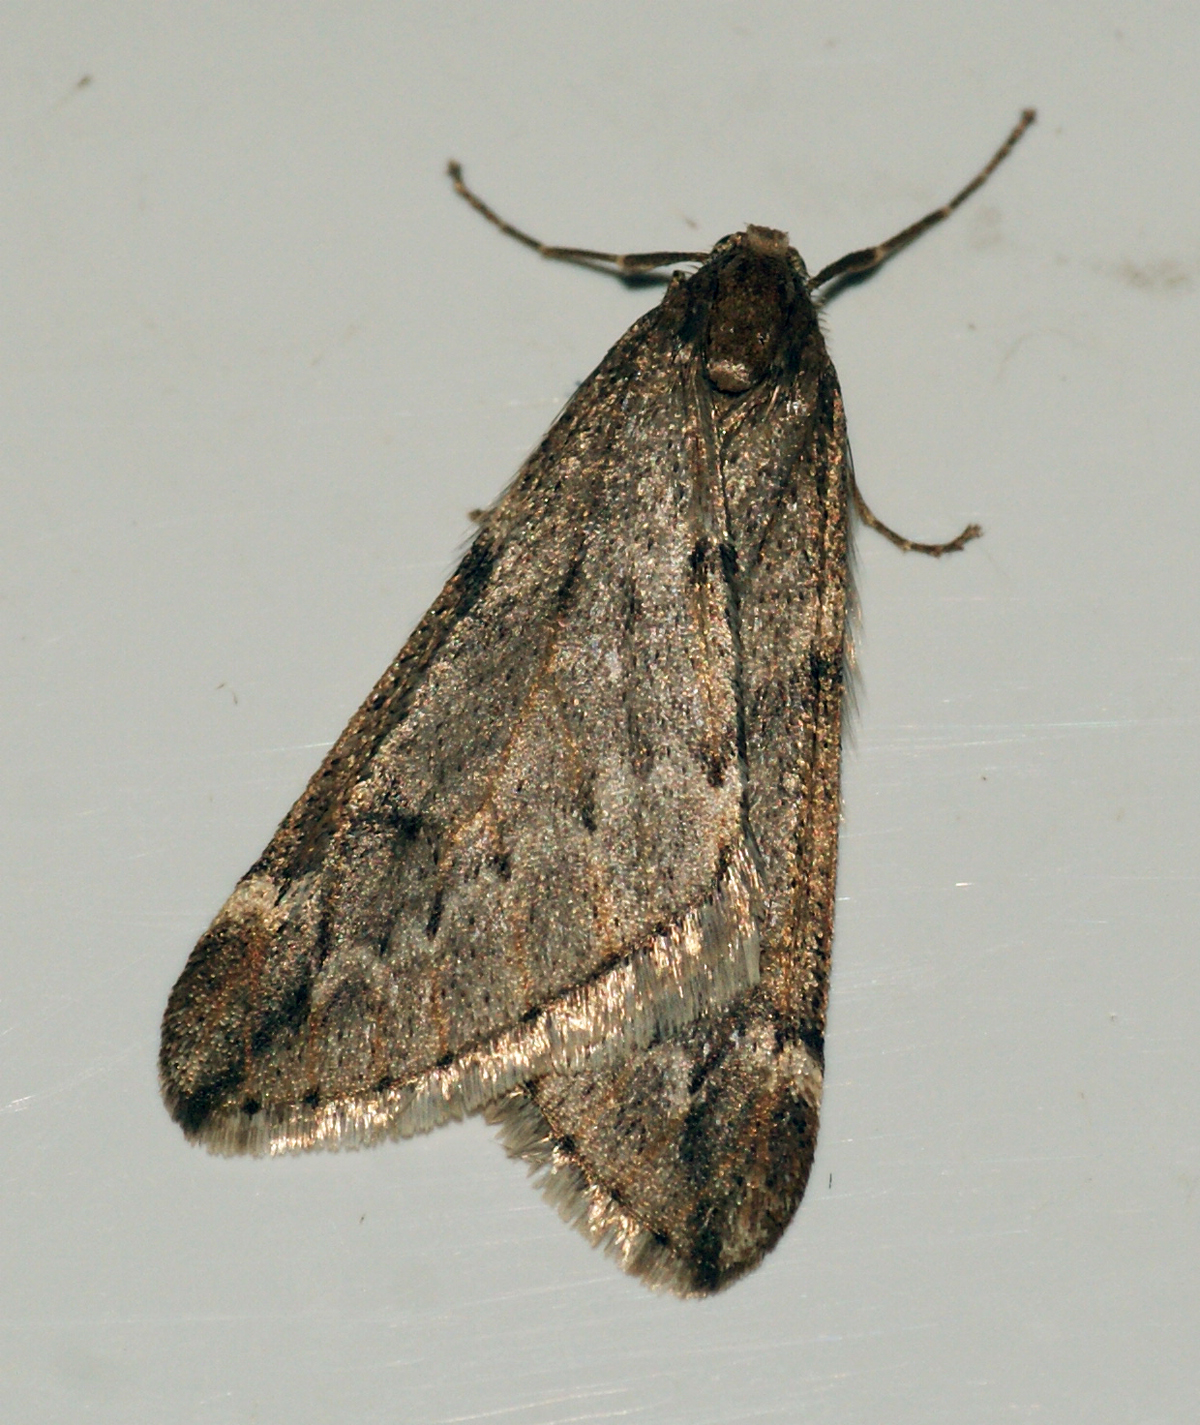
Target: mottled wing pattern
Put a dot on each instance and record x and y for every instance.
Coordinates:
(530, 839)
(687, 1160)
(573, 862)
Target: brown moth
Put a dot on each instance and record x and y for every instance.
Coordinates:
(572, 863)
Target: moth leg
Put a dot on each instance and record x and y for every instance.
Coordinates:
(866, 259)
(622, 264)
(972, 531)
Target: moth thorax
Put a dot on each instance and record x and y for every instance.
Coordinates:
(750, 311)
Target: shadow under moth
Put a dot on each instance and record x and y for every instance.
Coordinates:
(572, 863)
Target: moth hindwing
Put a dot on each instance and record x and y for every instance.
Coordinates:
(572, 863)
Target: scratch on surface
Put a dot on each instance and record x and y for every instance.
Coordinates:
(511, 1410)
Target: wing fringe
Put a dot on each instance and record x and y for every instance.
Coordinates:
(590, 1209)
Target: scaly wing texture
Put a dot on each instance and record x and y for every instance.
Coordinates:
(688, 1159)
(530, 840)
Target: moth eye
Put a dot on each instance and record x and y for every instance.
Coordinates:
(746, 321)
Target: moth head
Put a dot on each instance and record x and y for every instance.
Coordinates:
(751, 308)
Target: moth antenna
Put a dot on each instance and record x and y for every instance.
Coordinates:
(866, 259)
(621, 264)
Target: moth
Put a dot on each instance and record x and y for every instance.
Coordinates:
(572, 863)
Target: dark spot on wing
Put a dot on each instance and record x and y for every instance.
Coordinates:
(705, 1259)
(632, 605)
(435, 914)
(285, 1017)
(824, 672)
(585, 804)
(473, 575)
(562, 595)
(714, 763)
(192, 1111)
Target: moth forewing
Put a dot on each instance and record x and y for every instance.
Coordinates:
(528, 845)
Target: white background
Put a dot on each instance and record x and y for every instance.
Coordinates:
(258, 362)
